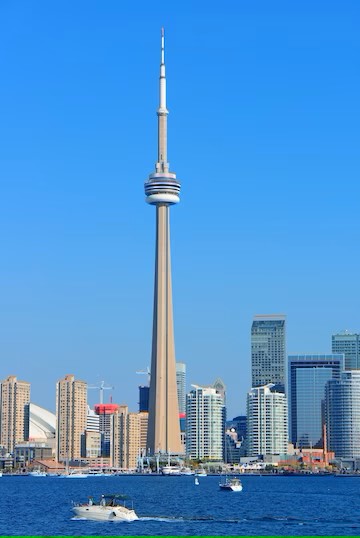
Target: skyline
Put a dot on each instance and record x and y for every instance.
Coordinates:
(271, 153)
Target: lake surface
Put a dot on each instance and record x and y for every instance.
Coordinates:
(268, 505)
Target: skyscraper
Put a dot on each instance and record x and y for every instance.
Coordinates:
(267, 431)
(105, 412)
(71, 417)
(181, 386)
(268, 350)
(308, 375)
(349, 344)
(162, 189)
(205, 424)
(14, 412)
(126, 432)
(343, 414)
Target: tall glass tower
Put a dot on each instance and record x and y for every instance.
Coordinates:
(162, 190)
(349, 344)
(181, 386)
(268, 351)
(343, 415)
(308, 375)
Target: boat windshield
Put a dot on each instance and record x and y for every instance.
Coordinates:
(113, 499)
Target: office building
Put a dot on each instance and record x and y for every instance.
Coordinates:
(181, 386)
(71, 417)
(342, 407)
(105, 413)
(268, 351)
(14, 412)
(308, 375)
(91, 439)
(267, 427)
(144, 399)
(162, 190)
(205, 424)
(348, 344)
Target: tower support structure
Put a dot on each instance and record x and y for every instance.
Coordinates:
(162, 189)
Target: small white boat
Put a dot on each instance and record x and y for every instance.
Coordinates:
(110, 508)
(37, 473)
(231, 484)
(76, 475)
(171, 470)
(200, 472)
(187, 471)
(196, 481)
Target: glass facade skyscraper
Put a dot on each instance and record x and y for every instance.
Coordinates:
(181, 386)
(343, 415)
(349, 344)
(308, 375)
(268, 351)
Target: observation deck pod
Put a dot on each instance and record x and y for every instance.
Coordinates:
(162, 188)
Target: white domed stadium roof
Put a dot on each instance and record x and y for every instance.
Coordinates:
(42, 423)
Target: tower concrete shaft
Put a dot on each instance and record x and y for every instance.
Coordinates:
(162, 190)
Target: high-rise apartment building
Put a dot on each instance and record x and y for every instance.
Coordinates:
(128, 430)
(349, 344)
(143, 426)
(181, 386)
(268, 350)
(71, 417)
(267, 431)
(343, 414)
(220, 388)
(205, 424)
(308, 375)
(14, 412)
(162, 190)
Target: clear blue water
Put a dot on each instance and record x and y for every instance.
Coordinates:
(175, 506)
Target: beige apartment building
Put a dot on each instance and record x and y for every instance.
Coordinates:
(128, 437)
(71, 416)
(14, 412)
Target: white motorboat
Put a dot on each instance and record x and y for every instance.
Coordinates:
(187, 471)
(196, 481)
(171, 470)
(73, 474)
(200, 472)
(231, 484)
(37, 473)
(110, 508)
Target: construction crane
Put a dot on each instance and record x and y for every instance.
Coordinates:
(101, 387)
(145, 372)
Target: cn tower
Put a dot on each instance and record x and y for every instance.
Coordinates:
(162, 190)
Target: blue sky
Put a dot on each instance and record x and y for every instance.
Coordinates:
(264, 136)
